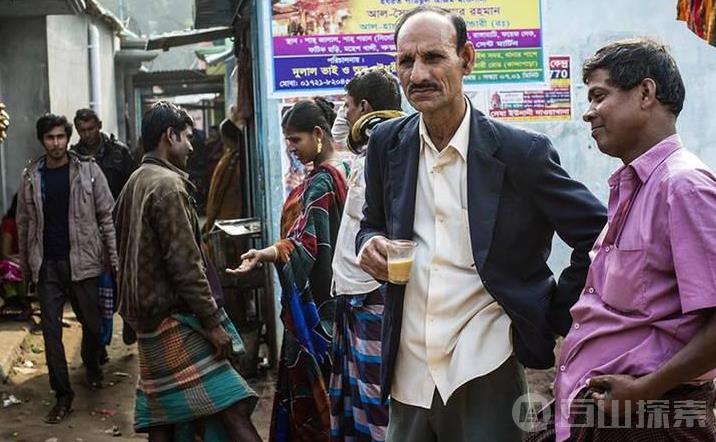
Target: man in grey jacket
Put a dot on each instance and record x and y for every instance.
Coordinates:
(64, 223)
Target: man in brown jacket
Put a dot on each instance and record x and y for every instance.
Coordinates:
(64, 223)
(184, 339)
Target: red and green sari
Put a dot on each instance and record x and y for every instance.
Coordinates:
(309, 227)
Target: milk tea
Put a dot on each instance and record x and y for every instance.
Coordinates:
(399, 270)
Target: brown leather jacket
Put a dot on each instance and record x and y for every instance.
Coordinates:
(161, 267)
(92, 235)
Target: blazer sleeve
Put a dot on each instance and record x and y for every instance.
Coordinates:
(374, 216)
(575, 214)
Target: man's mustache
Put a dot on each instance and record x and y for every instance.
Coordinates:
(423, 87)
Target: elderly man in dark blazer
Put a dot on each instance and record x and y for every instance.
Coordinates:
(482, 200)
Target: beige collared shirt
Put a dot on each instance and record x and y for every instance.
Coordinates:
(453, 330)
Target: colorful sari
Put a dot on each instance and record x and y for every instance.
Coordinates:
(309, 227)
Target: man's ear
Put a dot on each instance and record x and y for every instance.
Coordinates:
(168, 134)
(468, 58)
(365, 107)
(647, 88)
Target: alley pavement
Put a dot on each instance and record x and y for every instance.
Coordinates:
(103, 415)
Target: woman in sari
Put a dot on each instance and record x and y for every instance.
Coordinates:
(309, 227)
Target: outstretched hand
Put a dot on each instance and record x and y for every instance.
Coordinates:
(249, 261)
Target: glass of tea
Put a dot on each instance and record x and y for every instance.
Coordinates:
(401, 253)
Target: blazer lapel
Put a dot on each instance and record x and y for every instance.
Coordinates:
(403, 179)
(485, 174)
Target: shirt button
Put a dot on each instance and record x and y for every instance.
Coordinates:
(576, 326)
(590, 290)
(607, 249)
(562, 368)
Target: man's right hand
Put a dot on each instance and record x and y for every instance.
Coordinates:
(221, 341)
(374, 258)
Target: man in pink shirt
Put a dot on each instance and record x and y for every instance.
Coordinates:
(638, 362)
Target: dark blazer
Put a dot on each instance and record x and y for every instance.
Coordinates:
(518, 196)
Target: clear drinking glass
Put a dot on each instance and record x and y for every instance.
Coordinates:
(401, 253)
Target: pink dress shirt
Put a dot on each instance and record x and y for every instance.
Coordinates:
(653, 268)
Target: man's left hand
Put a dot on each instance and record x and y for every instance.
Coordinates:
(613, 392)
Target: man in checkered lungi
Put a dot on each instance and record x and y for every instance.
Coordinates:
(185, 341)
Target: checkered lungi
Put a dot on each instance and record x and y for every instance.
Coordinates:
(180, 379)
(684, 414)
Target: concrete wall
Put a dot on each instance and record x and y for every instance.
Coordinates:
(69, 72)
(108, 46)
(68, 68)
(571, 28)
(24, 89)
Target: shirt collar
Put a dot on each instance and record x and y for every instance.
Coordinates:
(645, 164)
(460, 141)
(152, 158)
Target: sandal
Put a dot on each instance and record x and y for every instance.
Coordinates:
(58, 413)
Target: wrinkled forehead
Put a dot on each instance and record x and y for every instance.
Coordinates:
(426, 31)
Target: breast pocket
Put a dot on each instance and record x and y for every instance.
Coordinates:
(624, 284)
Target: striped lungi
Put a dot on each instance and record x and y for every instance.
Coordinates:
(356, 410)
(684, 414)
(180, 379)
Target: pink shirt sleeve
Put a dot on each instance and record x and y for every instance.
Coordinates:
(692, 224)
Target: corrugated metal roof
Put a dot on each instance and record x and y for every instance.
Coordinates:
(190, 36)
(211, 13)
(95, 9)
(14, 8)
(180, 82)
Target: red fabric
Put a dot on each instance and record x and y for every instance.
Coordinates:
(696, 24)
(9, 227)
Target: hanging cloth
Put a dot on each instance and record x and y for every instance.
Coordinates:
(683, 10)
(700, 17)
(710, 18)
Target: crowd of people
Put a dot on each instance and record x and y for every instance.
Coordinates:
(442, 357)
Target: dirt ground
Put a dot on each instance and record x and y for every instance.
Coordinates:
(102, 416)
(106, 415)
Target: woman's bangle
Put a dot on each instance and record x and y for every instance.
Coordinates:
(274, 258)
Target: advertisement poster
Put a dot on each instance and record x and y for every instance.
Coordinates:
(319, 45)
(554, 104)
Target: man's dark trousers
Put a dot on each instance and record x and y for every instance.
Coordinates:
(54, 287)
